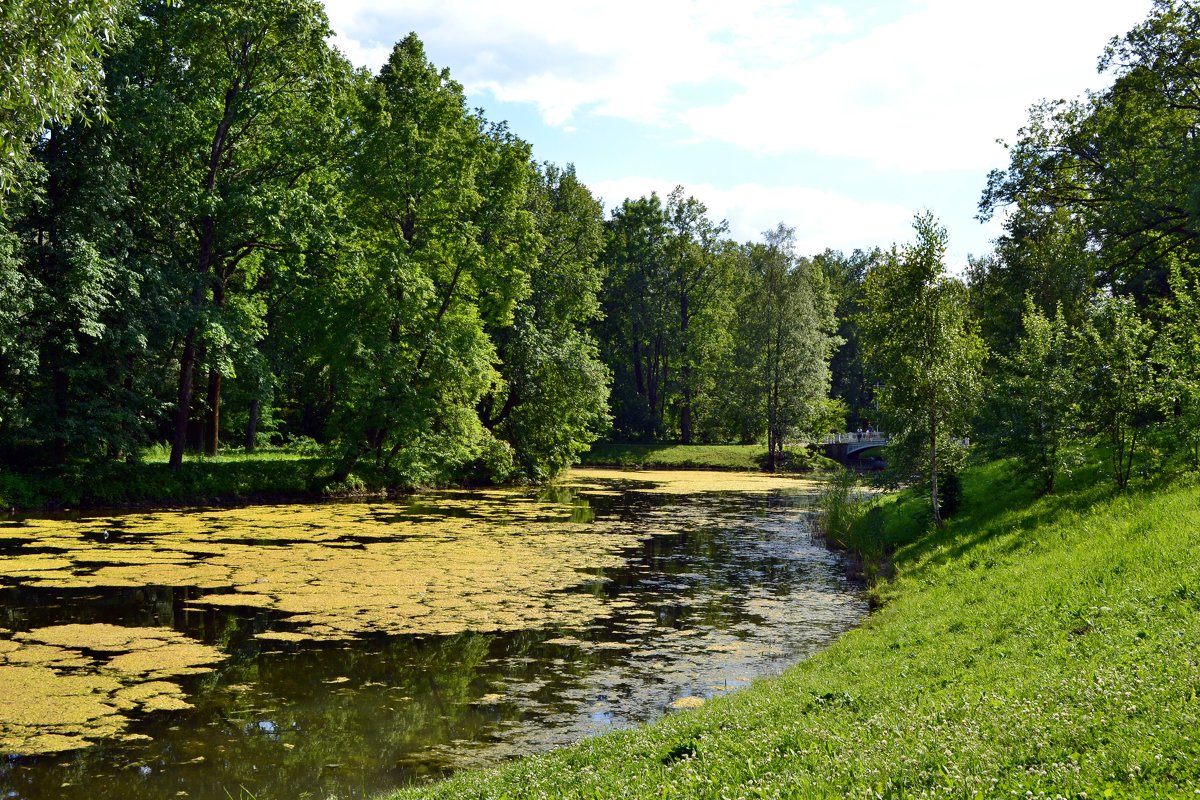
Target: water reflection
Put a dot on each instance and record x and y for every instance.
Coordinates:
(718, 588)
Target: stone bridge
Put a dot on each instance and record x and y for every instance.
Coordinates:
(842, 447)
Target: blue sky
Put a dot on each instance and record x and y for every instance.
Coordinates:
(841, 120)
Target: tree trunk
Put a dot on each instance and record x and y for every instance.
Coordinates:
(212, 429)
(206, 259)
(933, 476)
(62, 385)
(187, 363)
(685, 371)
(252, 425)
(685, 414)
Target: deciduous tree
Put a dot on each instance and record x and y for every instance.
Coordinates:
(1034, 397)
(1118, 398)
(920, 343)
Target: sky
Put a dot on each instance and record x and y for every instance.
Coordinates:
(841, 120)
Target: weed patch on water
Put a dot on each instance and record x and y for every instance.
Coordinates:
(65, 687)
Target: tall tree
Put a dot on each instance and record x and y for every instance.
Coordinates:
(1042, 257)
(552, 399)
(445, 245)
(1118, 394)
(698, 283)
(90, 315)
(921, 345)
(228, 110)
(1034, 397)
(639, 310)
(848, 380)
(786, 335)
(1118, 170)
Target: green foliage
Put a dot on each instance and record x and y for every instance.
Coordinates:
(698, 283)
(50, 56)
(225, 479)
(635, 333)
(1034, 398)
(670, 295)
(658, 456)
(921, 345)
(779, 373)
(842, 507)
(749, 457)
(1118, 399)
(445, 243)
(848, 380)
(1116, 171)
(552, 399)
(1177, 349)
(1043, 259)
(828, 415)
(17, 358)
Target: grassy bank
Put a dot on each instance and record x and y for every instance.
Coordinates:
(226, 478)
(695, 456)
(1032, 648)
(277, 474)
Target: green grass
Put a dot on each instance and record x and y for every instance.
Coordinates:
(1032, 648)
(693, 456)
(161, 454)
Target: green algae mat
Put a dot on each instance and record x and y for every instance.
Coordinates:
(353, 645)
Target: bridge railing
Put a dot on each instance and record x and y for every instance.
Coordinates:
(855, 438)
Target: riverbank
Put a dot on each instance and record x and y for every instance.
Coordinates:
(227, 479)
(1033, 647)
(288, 475)
(699, 456)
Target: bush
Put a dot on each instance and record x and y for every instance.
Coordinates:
(950, 493)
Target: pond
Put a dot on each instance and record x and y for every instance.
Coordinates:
(340, 649)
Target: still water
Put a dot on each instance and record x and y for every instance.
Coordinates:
(341, 649)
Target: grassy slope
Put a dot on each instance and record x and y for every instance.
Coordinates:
(1032, 648)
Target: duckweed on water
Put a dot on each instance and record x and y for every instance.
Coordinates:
(467, 562)
(346, 571)
(66, 686)
(482, 562)
(688, 482)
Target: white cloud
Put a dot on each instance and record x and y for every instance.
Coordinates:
(822, 219)
(622, 58)
(928, 89)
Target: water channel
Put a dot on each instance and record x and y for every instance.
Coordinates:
(337, 650)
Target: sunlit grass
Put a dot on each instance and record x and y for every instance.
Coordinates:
(161, 454)
(693, 456)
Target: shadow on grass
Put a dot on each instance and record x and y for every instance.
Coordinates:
(195, 483)
(997, 503)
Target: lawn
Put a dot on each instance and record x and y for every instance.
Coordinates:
(695, 456)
